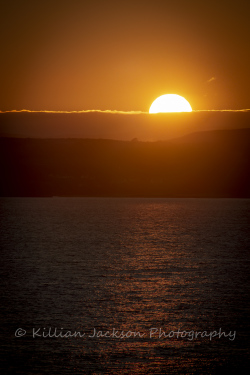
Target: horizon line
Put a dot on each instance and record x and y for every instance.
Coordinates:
(120, 112)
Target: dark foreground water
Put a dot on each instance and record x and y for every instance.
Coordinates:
(124, 286)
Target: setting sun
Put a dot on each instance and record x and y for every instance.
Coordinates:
(170, 103)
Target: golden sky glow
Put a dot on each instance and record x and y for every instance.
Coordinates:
(121, 55)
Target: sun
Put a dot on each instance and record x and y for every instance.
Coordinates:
(170, 103)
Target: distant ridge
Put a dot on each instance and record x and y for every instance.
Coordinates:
(241, 135)
(144, 127)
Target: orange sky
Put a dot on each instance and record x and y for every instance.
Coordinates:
(121, 55)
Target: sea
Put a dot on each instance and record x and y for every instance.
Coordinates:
(124, 286)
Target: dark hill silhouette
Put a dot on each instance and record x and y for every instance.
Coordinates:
(204, 164)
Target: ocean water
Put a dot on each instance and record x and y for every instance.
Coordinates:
(124, 286)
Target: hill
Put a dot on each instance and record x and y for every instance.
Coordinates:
(203, 164)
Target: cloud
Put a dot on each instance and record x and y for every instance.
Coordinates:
(211, 79)
(222, 110)
(120, 112)
(83, 111)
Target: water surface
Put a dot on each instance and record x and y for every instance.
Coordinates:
(118, 264)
